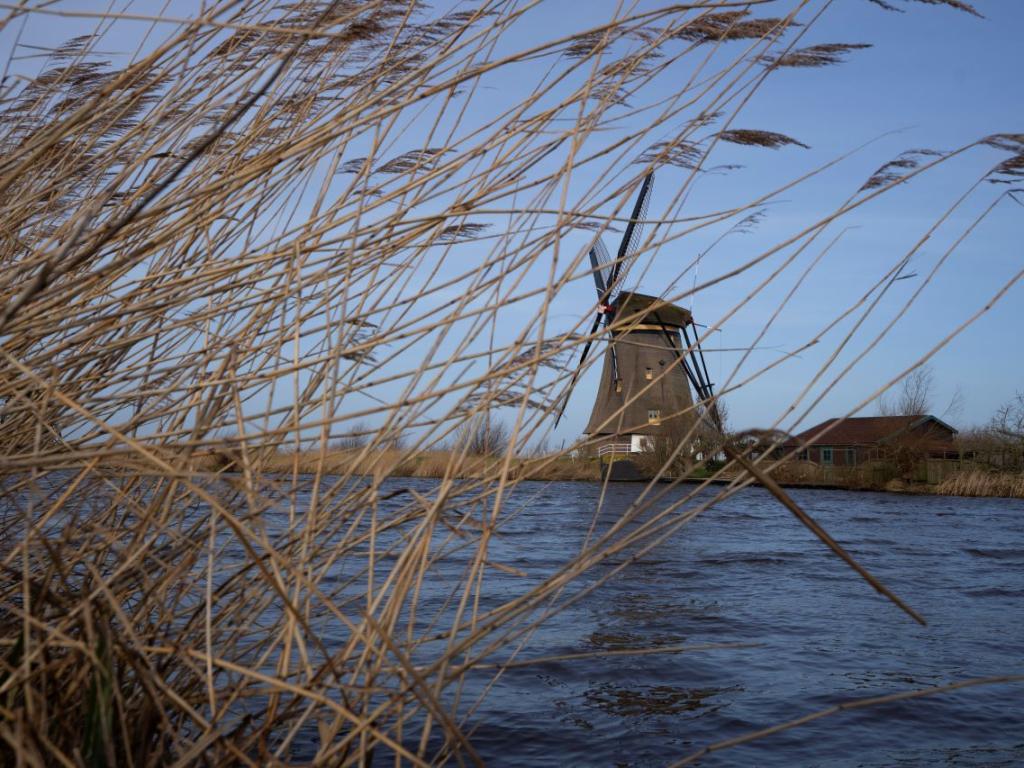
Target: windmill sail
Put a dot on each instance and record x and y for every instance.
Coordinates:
(705, 390)
(601, 262)
(608, 277)
(631, 238)
(691, 359)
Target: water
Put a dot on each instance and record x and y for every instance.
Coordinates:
(746, 571)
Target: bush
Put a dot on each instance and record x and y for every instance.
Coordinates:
(482, 436)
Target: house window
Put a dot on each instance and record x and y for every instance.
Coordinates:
(648, 373)
(851, 457)
(802, 456)
(654, 416)
(826, 455)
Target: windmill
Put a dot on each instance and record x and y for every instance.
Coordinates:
(650, 361)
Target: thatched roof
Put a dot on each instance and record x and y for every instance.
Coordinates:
(639, 307)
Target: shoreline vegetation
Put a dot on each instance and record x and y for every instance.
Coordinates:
(441, 464)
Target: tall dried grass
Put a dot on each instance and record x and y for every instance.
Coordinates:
(982, 483)
(266, 226)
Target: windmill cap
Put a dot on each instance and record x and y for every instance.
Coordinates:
(639, 307)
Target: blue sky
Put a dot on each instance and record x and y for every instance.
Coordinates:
(934, 78)
(938, 79)
(942, 79)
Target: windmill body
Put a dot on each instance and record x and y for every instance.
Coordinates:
(644, 391)
(651, 368)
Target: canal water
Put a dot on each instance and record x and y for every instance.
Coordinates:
(747, 572)
(743, 573)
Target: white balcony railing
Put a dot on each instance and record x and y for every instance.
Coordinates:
(608, 448)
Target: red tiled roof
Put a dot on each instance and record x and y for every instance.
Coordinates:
(868, 430)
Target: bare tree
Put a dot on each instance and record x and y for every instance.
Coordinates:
(541, 447)
(355, 437)
(722, 408)
(999, 444)
(955, 408)
(704, 443)
(482, 436)
(914, 396)
(1008, 422)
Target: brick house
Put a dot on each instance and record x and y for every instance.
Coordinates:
(853, 441)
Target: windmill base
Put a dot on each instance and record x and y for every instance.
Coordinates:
(623, 471)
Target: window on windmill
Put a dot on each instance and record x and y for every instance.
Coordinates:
(648, 373)
(654, 416)
(618, 385)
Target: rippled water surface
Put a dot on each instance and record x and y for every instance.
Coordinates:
(747, 572)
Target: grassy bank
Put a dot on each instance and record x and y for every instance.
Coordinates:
(429, 464)
(383, 463)
(442, 464)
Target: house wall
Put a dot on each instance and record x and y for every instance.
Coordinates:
(928, 439)
(931, 436)
(641, 443)
(841, 455)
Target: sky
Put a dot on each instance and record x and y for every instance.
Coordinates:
(942, 79)
(934, 78)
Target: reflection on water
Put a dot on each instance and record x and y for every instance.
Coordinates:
(996, 553)
(621, 701)
(618, 641)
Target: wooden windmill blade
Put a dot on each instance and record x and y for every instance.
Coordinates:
(601, 262)
(579, 367)
(700, 366)
(631, 237)
(595, 271)
(692, 362)
(609, 284)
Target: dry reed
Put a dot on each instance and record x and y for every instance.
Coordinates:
(981, 483)
(271, 224)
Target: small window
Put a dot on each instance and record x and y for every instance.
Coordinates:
(802, 456)
(851, 457)
(654, 416)
(618, 385)
(826, 455)
(648, 373)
